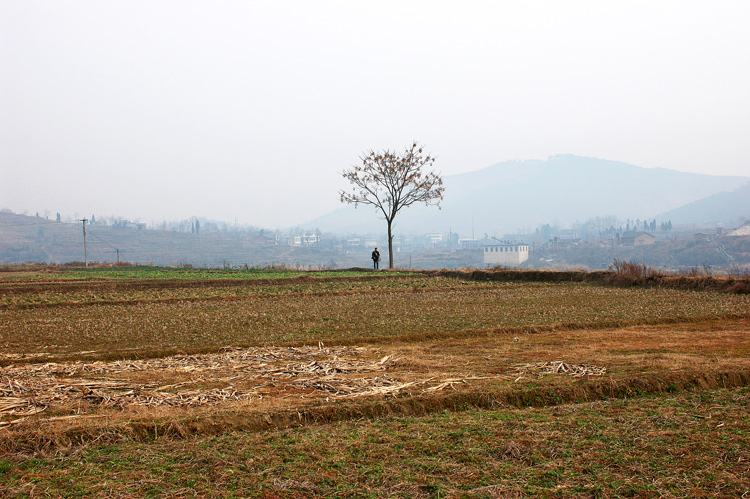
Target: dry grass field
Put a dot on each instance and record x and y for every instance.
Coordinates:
(118, 383)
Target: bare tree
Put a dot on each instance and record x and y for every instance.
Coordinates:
(389, 181)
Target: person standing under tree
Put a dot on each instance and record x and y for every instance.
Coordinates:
(375, 259)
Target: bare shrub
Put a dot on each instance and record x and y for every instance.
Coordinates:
(630, 269)
(693, 272)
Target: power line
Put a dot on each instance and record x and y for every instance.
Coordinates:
(113, 247)
(100, 239)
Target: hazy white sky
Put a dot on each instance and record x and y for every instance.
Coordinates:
(158, 110)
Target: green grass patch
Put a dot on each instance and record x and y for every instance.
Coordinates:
(614, 448)
(148, 272)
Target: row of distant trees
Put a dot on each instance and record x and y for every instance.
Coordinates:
(601, 227)
(193, 225)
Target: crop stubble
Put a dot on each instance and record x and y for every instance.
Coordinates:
(118, 346)
(353, 310)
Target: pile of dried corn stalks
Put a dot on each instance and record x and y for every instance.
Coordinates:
(235, 374)
(541, 369)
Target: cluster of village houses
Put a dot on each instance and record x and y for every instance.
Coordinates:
(512, 252)
(507, 253)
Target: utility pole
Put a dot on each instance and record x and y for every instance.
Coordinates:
(473, 241)
(85, 249)
(118, 256)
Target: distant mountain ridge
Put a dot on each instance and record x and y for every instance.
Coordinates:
(564, 189)
(727, 208)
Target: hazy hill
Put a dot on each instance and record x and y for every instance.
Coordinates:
(524, 194)
(727, 208)
(34, 239)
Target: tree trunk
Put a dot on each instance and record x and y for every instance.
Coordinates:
(390, 246)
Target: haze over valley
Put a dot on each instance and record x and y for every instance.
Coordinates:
(514, 196)
(215, 121)
(584, 201)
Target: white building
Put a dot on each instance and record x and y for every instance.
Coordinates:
(308, 239)
(435, 238)
(506, 254)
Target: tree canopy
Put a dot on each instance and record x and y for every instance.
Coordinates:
(390, 181)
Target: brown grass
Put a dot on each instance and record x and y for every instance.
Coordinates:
(300, 386)
(168, 321)
(289, 374)
(447, 343)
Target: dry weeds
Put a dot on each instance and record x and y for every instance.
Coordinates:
(485, 370)
(302, 354)
(169, 326)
